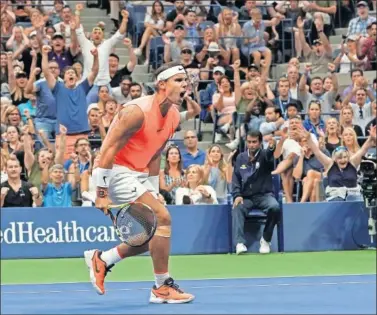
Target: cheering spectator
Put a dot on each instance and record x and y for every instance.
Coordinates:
(83, 154)
(70, 99)
(195, 191)
(367, 47)
(172, 50)
(17, 39)
(17, 83)
(15, 192)
(172, 176)
(348, 58)
(121, 93)
(342, 168)
(58, 193)
(252, 188)
(109, 113)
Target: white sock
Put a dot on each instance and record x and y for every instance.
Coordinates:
(160, 278)
(111, 256)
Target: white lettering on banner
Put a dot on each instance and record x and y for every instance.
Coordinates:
(61, 232)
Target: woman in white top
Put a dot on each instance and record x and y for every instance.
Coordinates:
(154, 26)
(196, 192)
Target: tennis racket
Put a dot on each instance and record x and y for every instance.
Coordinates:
(135, 223)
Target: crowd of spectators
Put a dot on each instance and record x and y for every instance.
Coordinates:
(62, 85)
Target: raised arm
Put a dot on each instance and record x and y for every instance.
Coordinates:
(11, 76)
(50, 79)
(30, 89)
(132, 57)
(95, 67)
(305, 46)
(325, 41)
(237, 80)
(28, 154)
(371, 142)
(59, 155)
(193, 108)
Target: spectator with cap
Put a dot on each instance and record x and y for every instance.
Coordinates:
(16, 192)
(320, 54)
(176, 16)
(367, 47)
(58, 193)
(64, 57)
(358, 25)
(348, 58)
(172, 50)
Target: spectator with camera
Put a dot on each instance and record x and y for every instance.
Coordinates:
(16, 192)
(252, 188)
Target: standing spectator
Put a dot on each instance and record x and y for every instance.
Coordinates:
(348, 58)
(192, 155)
(195, 192)
(172, 176)
(17, 83)
(97, 131)
(285, 97)
(58, 193)
(357, 81)
(59, 53)
(121, 93)
(359, 24)
(252, 188)
(320, 54)
(104, 48)
(63, 27)
(109, 113)
(83, 155)
(367, 47)
(176, 16)
(17, 39)
(14, 191)
(172, 50)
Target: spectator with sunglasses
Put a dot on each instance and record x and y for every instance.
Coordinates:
(342, 168)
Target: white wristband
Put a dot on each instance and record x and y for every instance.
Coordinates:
(155, 182)
(103, 177)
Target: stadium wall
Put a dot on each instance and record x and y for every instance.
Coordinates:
(67, 232)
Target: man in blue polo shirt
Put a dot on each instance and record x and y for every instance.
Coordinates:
(70, 99)
(192, 155)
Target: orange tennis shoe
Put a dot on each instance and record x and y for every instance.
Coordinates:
(169, 293)
(97, 269)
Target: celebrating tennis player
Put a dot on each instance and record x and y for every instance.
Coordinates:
(128, 171)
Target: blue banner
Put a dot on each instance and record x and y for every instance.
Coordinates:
(68, 232)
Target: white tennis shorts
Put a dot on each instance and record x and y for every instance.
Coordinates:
(127, 185)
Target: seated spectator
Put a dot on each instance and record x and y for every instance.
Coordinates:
(4, 156)
(172, 50)
(227, 31)
(348, 58)
(342, 168)
(373, 121)
(273, 125)
(314, 123)
(10, 117)
(172, 176)
(97, 131)
(346, 120)
(58, 193)
(332, 139)
(349, 140)
(87, 183)
(13, 139)
(103, 96)
(154, 27)
(285, 97)
(308, 169)
(254, 43)
(192, 154)
(83, 154)
(252, 189)
(136, 90)
(176, 16)
(358, 81)
(15, 192)
(218, 172)
(17, 39)
(195, 192)
(3, 68)
(7, 25)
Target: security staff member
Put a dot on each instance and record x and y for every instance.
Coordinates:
(252, 188)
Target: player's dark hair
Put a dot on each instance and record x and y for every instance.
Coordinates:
(166, 66)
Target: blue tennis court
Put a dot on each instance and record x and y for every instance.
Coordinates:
(351, 294)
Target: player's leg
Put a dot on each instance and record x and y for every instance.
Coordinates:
(165, 290)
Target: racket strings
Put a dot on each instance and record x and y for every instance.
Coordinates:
(136, 224)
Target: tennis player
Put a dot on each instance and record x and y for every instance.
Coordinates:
(128, 171)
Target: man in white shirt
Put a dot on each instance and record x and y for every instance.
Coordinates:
(104, 48)
(63, 26)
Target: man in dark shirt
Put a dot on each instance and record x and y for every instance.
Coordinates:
(176, 16)
(64, 57)
(252, 189)
(15, 192)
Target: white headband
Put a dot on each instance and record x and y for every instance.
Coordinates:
(168, 73)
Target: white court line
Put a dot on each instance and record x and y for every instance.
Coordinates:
(306, 284)
(202, 279)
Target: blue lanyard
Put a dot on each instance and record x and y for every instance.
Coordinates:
(284, 111)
